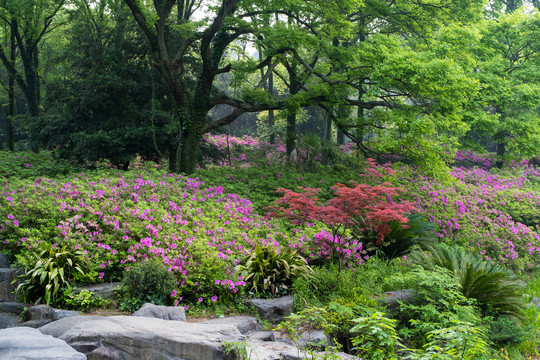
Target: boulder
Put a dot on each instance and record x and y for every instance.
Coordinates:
(313, 340)
(36, 323)
(39, 312)
(57, 328)
(12, 307)
(27, 344)
(6, 287)
(104, 291)
(273, 310)
(161, 312)
(4, 261)
(244, 324)
(263, 336)
(8, 320)
(393, 298)
(132, 337)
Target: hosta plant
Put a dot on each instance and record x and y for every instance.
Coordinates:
(269, 269)
(53, 269)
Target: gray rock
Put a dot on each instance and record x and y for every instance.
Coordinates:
(263, 336)
(12, 307)
(57, 314)
(161, 312)
(244, 324)
(38, 312)
(4, 261)
(6, 287)
(104, 291)
(9, 320)
(274, 310)
(131, 337)
(269, 350)
(392, 298)
(57, 328)
(313, 340)
(28, 344)
(36, 323)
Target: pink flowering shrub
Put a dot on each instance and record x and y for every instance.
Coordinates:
(494, 213)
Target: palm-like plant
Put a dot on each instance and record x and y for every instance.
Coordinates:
(270, 269)
(493, 286)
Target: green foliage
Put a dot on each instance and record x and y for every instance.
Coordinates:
(494, 287)
(235, 350)
(259, 183)
(437, 302)
(463, 340)
(401, 238)
(147, 281)
(29, 165)
(376, 337)
(272, 270)
(52, 270)
(80, 300)
(353, 286)
(504, 331)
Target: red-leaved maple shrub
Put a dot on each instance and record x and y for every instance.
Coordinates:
(361, 206)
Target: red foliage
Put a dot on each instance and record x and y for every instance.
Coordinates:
(371, 207)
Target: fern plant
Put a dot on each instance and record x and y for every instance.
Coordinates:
(269, 269)
(493, 286)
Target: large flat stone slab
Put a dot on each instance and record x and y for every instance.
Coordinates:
(27, 344)
(133, 338)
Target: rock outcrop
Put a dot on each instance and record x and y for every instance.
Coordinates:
(26, 343)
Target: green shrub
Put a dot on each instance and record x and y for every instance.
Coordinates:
(376, 337)
(83, 300)
(494, 287)
(353, 286)
(437, 303)
(52, 270)
(272, 270)
(147, 281)
(504, 331)
(401, 238)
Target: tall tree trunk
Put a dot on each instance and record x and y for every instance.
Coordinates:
(187, 157)
(11, 93)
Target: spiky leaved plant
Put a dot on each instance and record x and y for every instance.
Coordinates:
(493, 286)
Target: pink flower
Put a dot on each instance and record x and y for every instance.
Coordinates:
(10, 216)
(200, 299)
(214, 298)
(173, 294)
(15, 222)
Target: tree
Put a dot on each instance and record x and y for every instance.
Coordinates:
(508, 67)
(29, 22)
(101, 108)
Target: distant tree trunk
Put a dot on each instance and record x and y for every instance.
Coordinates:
(271, 111)
(10, 138)
(327, 126)
(290, 138)
(501, 149)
